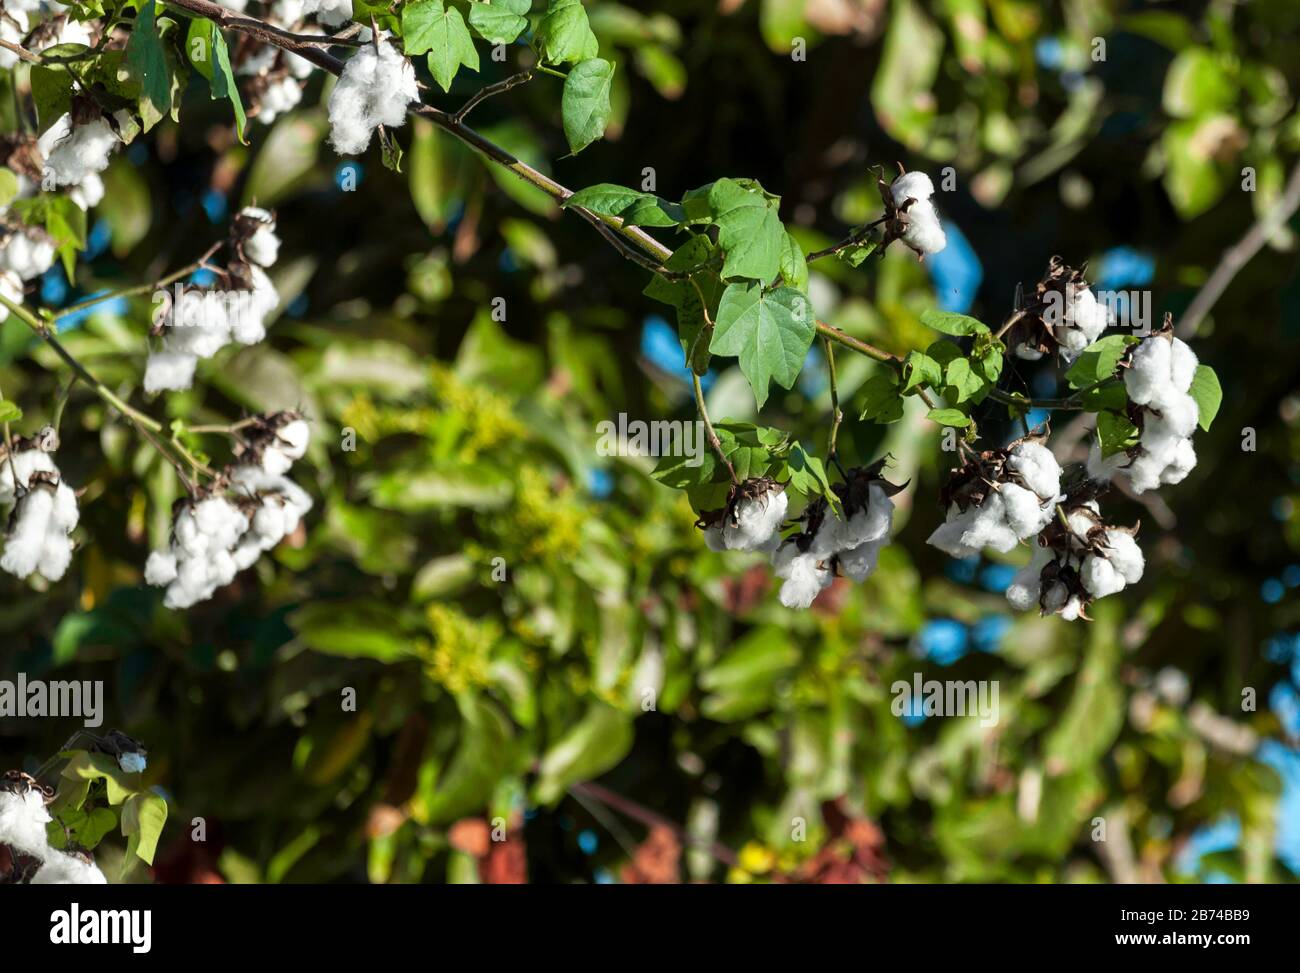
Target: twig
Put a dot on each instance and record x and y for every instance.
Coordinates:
(708, 426)
(493, 89)
(1240, 254)
(832, 454)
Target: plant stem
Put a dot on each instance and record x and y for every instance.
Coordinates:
(832, 453)
(708, 427)
(140, 288)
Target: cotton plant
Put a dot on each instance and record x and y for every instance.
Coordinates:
(1158, 380)
(78, 145)
(204, 319)
(45, 831)
(247, 510)
(26, 251)
(998, 498)
(1062, 316)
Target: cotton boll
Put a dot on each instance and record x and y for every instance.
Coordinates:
(872, 522)
(1178, 414)
(132, 763)
(1148, 375)
(77, 151)
(1026, 352)
(805, 576)
(1072, 609)
(169, 371)
(292, 439)
(1182, 364)
(1144, 473)
(280, 96)
(263, 246)
(859, 562)
(260, 61)
(1100, 577)
(1088, 315)
(90, 193)
(1037, 467)
(947, 537)
(374, 89)
(56, 555)
(756, 518)
(221, 521)
(1025, 587)
(65, 515)
(1024, 511)
(1072, 342)
(1055, 598)
(331, 13)
(1182, 463)
(26, 541)
(64, 869)
(27, 253)
(288, 12)
(989, 527)
(25, 463)
(1125, 555)
(22, 822)
(160, 568)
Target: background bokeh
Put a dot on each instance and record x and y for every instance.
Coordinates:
(480, 698)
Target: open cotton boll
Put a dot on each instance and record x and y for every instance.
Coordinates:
(132, 763)
(331, 13)
(872, 522)
(280, 96)
(90, 193)
(263, 246)
(160, 568)
(923, 231)
(25, 462)
(1100, 577)
(1182, 364)
(805, 575)
(1026, 514)
(1180, 464)
(288, 12)
(26, 540)
(1125, 555)
(65, 515)
(22, 822)
(1144, 472)
(989, 527)
(1026, 585)
(292, 439)
(221, 521)
(1037, 467)
(947, 537)
(859, 562)
(1149, 373)
(1178, 413)
(27, 252)
(374, 90)
(259, 62)
(171, 371)
(77, 151)
(56, 555)
(64, 869)
(1072, 608)
(756, 518)
(1086, 315)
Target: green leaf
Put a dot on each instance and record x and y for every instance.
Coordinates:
(147, 64)
(585, 103)
(959, 325)
(600, 740)
(882, 399)
(1207, 393)
(919, 370)
(794, 266)
(100, 766)
(52, 92)
(949, 417)
(1097, 362)
(482, 758)
(749, 230)
(390, 151)
(632, 207)
(805, 473)
(564, 34)
(499, 21)
(769, 332)
(211, 58)
(143, 818)
(963, 379)
(857, 254)
(441, 32)
(1197, 84)
(9, 411)
(354, 629)
(8, 187)
(1116, 433)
